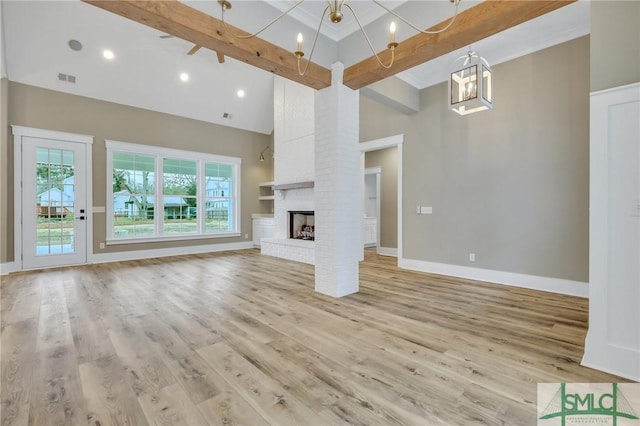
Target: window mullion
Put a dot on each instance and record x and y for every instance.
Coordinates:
(109, 204)
(158, 213)
(236, 200)
(200, 196)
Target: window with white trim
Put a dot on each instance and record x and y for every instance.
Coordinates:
(158, 193)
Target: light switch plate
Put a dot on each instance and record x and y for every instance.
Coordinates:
(426, 210)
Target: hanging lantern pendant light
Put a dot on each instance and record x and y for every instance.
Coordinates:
(470, 88)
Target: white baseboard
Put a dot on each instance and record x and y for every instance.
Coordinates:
(7, 268)
(388, 251)
(554, 285)
(615, 371)
(170, 251)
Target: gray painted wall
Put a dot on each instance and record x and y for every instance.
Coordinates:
(510, 185)
(4, 159)
(615, 44)
(41, 108)
(387, 160)
(395, 93)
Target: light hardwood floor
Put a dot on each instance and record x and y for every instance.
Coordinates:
(240, 338)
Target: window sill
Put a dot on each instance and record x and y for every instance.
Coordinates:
(132, 240)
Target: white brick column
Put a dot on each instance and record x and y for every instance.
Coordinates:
(338, 199)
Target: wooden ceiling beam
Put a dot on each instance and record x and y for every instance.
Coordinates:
(180, 20)
(173, 17)
(472, 25)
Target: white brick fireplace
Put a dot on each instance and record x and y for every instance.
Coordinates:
(293, 168)
(339, 180)
(319, 169)
(281, 245)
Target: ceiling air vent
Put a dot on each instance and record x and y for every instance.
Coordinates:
(67, 78)
(227, 115)
(75, 45)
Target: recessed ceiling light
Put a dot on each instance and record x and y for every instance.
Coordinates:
(108, 54)
(241, 93)
(184, 76)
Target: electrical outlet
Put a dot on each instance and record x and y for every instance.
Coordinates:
(101, 246)
(472, 257)
(418, 209)
(246, 236)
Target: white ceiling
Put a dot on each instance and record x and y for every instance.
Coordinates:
(309, 13)
(146, 68)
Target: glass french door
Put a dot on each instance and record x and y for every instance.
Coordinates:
(54, 207)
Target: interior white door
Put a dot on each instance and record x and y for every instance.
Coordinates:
(372, 181)
(613, 339)
(54, 207)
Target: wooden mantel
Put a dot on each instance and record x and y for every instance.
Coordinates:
(296, 185)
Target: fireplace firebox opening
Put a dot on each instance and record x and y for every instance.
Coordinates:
(302, 225)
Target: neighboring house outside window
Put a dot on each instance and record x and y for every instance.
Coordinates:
(56, 202)
(168, 194)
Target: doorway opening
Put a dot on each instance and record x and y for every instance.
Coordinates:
(395, 170)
